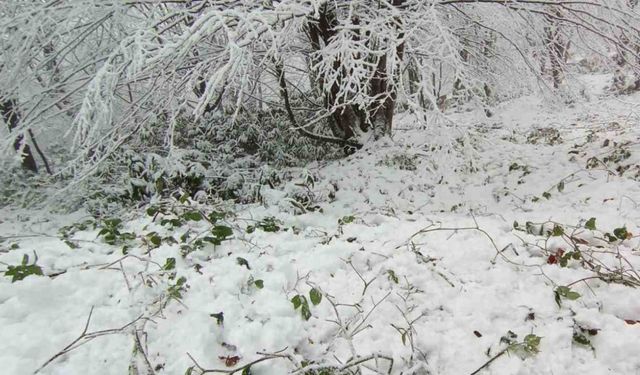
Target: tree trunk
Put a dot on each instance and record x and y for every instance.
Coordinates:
(556, 48)
(12, 119)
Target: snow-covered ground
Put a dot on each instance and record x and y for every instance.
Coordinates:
(428, 250)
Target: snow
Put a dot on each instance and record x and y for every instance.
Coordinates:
(455, 296)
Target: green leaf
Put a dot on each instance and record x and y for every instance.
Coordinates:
(259, 284)
(315, 296)
(532, 340)
(154, 239)
(621, 233)
(175, 291)
(219, 317)
(247, 371)
(546, 195)
(268, 224)
(20, 272)
(347, 220)
(173, 222)
(531, 343)
(151, 211)
(305, 311)
(572, 295)
(213, 240)
(557, 231)
(215, 216)
(567, 293)
(392, 276)
(610, 238)
(297, 301)
(561, 186)
(301, 301)
(71, 244)
(581, 339)
(192, 216)
(184, 237)
(112, 223)
(243, 262)
(591, 224)
(169, 264)
(221, 232)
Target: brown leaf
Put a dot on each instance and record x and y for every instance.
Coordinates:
(231, 361)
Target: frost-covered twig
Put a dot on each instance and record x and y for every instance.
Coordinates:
(265, 357)
(85, 337)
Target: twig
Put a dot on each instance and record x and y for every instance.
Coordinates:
(266, 357)
(67, 348)
(486, 364)
(86, 336)
(366, 283)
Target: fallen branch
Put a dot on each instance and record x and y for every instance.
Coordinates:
(85, 337)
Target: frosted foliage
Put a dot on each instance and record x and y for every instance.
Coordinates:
(91, 74)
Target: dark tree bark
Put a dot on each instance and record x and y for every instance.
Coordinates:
(349, 118)
(11, 117)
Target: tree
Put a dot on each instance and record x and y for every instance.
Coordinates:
(103, 70)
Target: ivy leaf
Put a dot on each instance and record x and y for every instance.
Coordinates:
(259, 284)
(591, 224)
(315, 296)
(621, 233)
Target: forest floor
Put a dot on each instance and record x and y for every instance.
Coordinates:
(512, 238)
